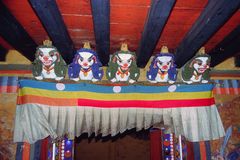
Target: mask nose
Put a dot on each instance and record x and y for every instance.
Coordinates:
(125, 65)
(85, 64)
(45, 58)
(165, 67)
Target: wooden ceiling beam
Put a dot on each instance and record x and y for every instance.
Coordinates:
(13, 33)
(101, 22)
(155, 22)
(51, 18)
(3, 53)
(227, 48)
(216, 13)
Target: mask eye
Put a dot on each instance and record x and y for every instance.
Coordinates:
(160, 62)
(51, 54)
(168, 63)
(199, 63)
(120, 61)
(129, 60)
(40, 54)
(81, 59)
(90, 59)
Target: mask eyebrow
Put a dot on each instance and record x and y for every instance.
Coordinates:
(80, 57)
(118, 57)
(90, 57)
(53, 51)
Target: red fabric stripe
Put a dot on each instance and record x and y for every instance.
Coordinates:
(156, 144)
(11, 89)
(3, 89)
(8, 89)
(223, 91)
(147, 104)
(44, 149)
(190, 153)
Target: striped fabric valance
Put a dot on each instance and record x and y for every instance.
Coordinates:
(56, 109)
(83, 94)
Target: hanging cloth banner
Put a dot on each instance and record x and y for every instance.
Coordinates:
(47, 108)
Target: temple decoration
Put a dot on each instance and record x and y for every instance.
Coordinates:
(48, 63)
(122, 66)
(85, 65)
(197, 69)
(110, 110)
(162, 68)
(61, 149)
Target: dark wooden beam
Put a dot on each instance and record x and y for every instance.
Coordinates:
(156, 20)
(50, 16)
(227, 48)
(101, 21)
(12, 32)
(3, 53)
(216, 13)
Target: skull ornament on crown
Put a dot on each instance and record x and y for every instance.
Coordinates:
(162, 68)
(85, 65)
(122, 66)
(48, 63)
(197, 69)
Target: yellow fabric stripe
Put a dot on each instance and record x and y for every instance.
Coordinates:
(113, 96)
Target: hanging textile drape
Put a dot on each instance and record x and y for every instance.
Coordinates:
(56, 109)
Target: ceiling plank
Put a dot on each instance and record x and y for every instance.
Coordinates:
(216, 13)
(227, 48)
(51, 18)
(101, 21)
(3, 53)
(156, 20)
(12, 32)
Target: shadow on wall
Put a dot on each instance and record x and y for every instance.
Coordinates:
(126, 146)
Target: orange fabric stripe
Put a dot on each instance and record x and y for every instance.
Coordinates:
(26, 151)
(47, 101)
(203, 150)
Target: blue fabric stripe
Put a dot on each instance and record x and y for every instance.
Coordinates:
(235, 83)
(12, 81)
(230, 85)
(226, 86)
(196, 150)
(208, 150)
(19, 151)
(221, 83)
(37, 150)
(109, 89)
(3, 81)
(32, 150)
